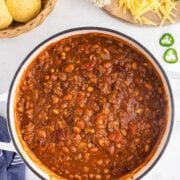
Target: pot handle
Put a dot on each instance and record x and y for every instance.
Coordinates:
(7, 146)
(174, 79)
(4, 97)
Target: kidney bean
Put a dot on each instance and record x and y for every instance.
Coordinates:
(53, 77)
(124, 132)
(138, 111)
(67, 48)
(69, 68)
(91, 176)
(78, 112)
(90, 89)
(63, 55)
(97, 176)
(55, 111)
(134, 65)
(94, 149)
(137, 140)
(46, 77)
(100, 119)
(101, 142)
(66, 172)
(85, 176)
(111, 149)
(67, 97)
(60, 134)
(62, 76)
(76, 130)
(130, 158)
(55, 99)
(146, 148)
(77, 177)
(71, 176)
(80, 124)
(106, 171)
(99, 162)
(73, 149)
(65, 150)
(118, 145)
(40, 137)
(115, 136)
(85, 169)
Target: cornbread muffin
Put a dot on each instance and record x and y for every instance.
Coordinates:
(23, 10)
(5, 16)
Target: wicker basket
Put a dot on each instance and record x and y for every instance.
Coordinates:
(16, 29)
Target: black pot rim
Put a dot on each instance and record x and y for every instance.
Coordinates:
(104, 30)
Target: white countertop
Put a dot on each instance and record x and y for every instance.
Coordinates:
(77, 13)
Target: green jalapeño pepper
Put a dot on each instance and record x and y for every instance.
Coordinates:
(166, 40)
(170, 56)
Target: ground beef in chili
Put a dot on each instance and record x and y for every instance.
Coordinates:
(91, 106)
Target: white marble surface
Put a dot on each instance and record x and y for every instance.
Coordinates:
(75, 13)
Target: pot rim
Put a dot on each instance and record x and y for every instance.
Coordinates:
(103, 30)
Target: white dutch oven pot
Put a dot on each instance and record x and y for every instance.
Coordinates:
(20, 147)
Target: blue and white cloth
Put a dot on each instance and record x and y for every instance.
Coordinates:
(11, 165)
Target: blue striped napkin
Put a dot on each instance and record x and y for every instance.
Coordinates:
(11, 165)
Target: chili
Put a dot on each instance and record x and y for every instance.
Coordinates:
(91, 107)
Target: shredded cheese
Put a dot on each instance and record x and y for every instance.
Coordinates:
(138, 8)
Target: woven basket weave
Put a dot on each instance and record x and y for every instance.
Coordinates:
(16, 29)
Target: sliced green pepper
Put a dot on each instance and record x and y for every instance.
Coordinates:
(170, 56)
(166, 40)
